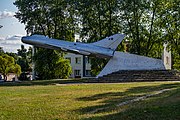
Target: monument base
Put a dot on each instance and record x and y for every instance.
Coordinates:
(138, 76)
(126, 61)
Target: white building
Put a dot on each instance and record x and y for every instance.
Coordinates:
(76, 62)
(77, 65)
(10, 77)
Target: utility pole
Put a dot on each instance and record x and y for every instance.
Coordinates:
(33, 64)
(84, 66)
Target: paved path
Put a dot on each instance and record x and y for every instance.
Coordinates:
(133, 100)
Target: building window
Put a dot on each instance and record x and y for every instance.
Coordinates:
(68, 58)
(88, 60)
(78, 60)
(88, 72)
(77, 73)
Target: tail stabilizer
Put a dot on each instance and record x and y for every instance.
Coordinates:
(110, 42)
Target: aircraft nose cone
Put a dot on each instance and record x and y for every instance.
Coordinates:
(25, 39)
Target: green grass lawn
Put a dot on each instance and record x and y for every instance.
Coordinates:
(44, 100)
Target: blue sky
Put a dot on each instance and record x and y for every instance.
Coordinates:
(12, 30)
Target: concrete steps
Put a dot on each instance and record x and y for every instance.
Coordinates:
(139, 76)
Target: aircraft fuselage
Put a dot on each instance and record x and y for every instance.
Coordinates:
(73, 47)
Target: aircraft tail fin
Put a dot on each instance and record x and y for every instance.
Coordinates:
(110, 42)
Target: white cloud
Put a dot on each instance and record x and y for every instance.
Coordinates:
(14, 37)
(2, 38)
(12, 43)
(6, 14)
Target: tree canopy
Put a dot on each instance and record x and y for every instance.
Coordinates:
(25, 58)
(50, 65)
(8, 65)
(148, 24)
(50, 18)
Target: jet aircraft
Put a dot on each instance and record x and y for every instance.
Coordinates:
(104, 48)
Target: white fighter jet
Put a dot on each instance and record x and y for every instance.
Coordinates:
(104, 48)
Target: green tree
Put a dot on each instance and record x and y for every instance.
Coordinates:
(169, 13)
(22, 52)
(7, 65)
(50, 65)
(62, 69)
(53, 19)
(14, 55)
(1, 50)
(24, 58)
(140, 20)
(146, 23)
(98, 19)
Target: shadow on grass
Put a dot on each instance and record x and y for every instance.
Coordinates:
(155, 108)
(41, 82)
